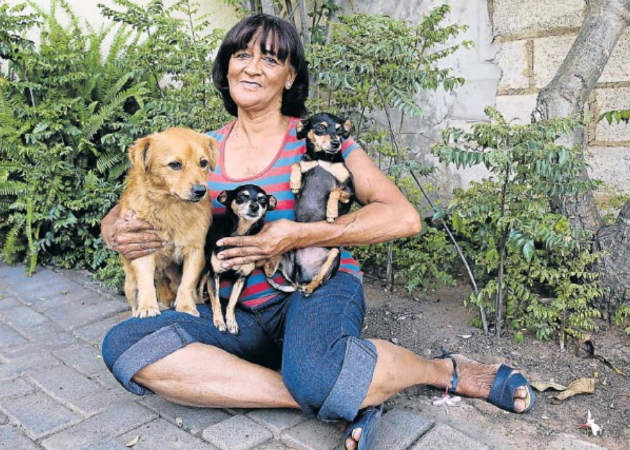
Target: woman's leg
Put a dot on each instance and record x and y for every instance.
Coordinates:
(187, 360)
(203, 375)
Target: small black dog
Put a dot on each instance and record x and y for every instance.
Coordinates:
(245, 209)
(324, 190)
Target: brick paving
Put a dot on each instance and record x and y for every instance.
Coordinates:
(56, 394)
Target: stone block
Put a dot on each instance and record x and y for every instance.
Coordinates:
(108, 443)
(612, 99)
(313, 435)
(568, 442)
(443, 437)
(272, 445)
(94, 333)
(63, 295)
(19, 363)
(617, 68)
(13, 439)
(159, 434)
(549, 52)
(472, 98)
(277, 420)
(194, 420)
(120, 418)
(611, 165)
(22, 317)
(516, 108)
(38, 414)
(15, 388)
(512, 60)
(517, 18)
(400, 428)
(75, 390)
(236, 433)
(8, 302)
(76, 316)
(105, 379)
(10, 338)
(84, 358)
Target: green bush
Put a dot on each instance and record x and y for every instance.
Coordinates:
(533, 266)
(372, 64)
(68, 111)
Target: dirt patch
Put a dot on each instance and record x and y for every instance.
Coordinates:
(439, 320)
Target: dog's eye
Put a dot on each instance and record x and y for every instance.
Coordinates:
(319, 129)
(175, 165)
(203, 163)
(262, 201)
(242, 197)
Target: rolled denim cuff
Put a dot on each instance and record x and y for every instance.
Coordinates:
(148, 350)
(353, 382)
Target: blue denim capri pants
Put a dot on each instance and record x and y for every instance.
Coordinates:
(314, 342)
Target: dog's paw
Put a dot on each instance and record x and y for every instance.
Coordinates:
(147, 311)
(232, 326)
(219, 323)
(188, 309)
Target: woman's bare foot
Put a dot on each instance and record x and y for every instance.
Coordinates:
(474, 380)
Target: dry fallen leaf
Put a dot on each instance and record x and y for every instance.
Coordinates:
(133, 442)
(447, 400)
(579, 386)
(544, 385)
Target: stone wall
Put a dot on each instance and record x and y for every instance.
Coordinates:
(535, 36)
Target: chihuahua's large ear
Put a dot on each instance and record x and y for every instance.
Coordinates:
(347, 126)
(213, 151)
(222, 197)
(139, 153)
(273, 202)
(302, 128)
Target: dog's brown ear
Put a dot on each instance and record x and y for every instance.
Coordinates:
(272, 202)
(213, 152)
(302, 128)
(222, 197)
(347, 126)
(139, 153)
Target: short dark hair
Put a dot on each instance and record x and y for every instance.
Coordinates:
(287, 43)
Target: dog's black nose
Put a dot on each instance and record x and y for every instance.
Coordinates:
(198, 190)
(335, 144)
(253, 207)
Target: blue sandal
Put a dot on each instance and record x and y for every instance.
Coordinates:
(368, 419)
(503, 387)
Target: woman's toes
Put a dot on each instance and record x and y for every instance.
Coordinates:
(351, 444)
(356, 434)
(521, 392)
(519, 405)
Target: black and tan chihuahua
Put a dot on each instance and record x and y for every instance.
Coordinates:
(245, 209)
(324, 190)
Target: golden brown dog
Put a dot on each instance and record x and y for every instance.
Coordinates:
(166, 186)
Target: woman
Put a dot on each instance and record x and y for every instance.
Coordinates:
(325, 368)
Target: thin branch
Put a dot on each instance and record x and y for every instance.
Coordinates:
(482, 311)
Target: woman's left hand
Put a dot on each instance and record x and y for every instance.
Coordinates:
(275, 238)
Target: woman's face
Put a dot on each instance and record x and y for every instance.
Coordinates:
(257, 78)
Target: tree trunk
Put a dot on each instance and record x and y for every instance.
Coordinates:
(268, 7)
(565, 95)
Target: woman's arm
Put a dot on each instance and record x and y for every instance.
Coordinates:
(131, 237)
(386, 215)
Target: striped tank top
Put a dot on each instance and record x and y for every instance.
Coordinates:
(274, 179)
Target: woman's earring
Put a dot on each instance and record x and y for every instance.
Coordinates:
(288, 85)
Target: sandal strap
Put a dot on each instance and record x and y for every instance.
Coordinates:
(504, 387)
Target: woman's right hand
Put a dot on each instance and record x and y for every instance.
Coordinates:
(126, 234)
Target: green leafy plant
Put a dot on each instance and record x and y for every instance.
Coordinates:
(534, 267)
(373, 64)
(69, 110)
